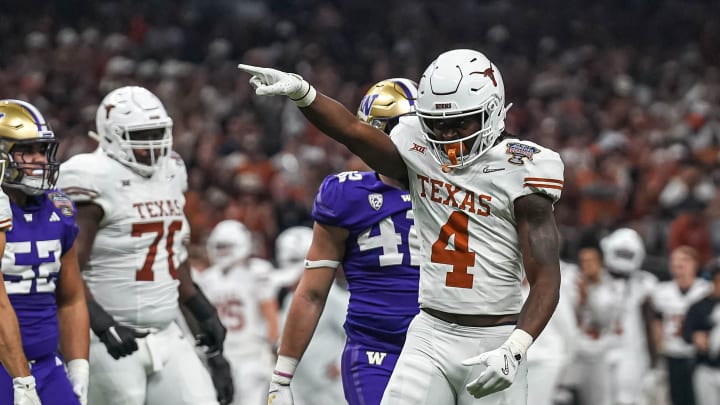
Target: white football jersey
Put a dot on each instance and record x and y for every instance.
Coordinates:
(668, 300)
(237, 294)
(131, 271)
(5, 212)
(466, 220)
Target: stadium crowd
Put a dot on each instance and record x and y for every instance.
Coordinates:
(634, 112)
(628, 92)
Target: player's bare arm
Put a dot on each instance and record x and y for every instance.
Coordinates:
(12, 355)
(269, 310)
(539, 245)
(373, 146)
(369, 143)
(72, 309)
(88, 219)
(307, 305)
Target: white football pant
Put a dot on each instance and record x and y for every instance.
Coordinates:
(429, 370)
(251, 376)
(706, 382)
(164, 370)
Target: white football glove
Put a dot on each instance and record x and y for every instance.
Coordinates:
(272, 82)
(279, 394)
(501, 365)
(24, 391)
(78, 372)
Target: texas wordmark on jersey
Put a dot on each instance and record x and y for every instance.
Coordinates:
(466, 220)
(131, 271)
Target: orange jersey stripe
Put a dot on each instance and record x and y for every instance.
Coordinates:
(544, 179)
(543, 186)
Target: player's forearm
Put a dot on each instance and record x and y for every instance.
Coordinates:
(300, 325)
(74, 327)
(12, 355)
(370, 144)
(539, 306)
(269, 311)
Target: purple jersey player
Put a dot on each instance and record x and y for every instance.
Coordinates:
(40, 264)
(363, 220)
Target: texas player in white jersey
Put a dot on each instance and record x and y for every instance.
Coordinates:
(671, 300)
(239, 287)
(483, 205)
(130, 199)
(623, 253)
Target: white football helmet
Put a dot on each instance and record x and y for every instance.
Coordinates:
(462, 83)
(133, 119)
(229, 242)
(292, 245)
(623, 251)
(386, 101)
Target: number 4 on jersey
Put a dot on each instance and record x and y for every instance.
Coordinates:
(460, 258)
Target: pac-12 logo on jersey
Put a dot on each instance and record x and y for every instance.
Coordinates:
(375, 200)
(519, 151)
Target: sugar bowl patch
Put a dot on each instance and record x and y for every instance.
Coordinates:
(520, 151)
(62, 202)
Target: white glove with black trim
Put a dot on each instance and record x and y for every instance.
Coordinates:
(501, 365)
(24, 391)
(272, 82)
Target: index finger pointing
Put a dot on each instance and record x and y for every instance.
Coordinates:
(253, 70)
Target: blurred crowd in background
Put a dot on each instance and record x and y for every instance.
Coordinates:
(628, 91)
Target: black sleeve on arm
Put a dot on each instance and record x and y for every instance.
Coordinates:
(692, 322)
(100, 320)
(200, 306)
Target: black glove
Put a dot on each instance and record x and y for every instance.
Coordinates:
(119, 339)
(221, 374)
(212, 332)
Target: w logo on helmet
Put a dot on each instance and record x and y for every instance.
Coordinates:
(367, 103)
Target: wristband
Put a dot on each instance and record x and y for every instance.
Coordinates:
(316, 264)
(284, 370)
(306, 95)
(79, 368)
(25, 383)
(519, 342)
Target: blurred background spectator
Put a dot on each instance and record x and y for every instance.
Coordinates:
(633, 110)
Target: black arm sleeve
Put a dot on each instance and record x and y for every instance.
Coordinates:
(200, 306)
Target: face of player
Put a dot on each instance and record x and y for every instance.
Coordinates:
(454, 128)
(683, 268)
(590, 263)
(145, 156)
(31, 157)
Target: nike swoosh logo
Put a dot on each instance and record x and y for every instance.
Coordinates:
(506, 369)
(487, 169)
